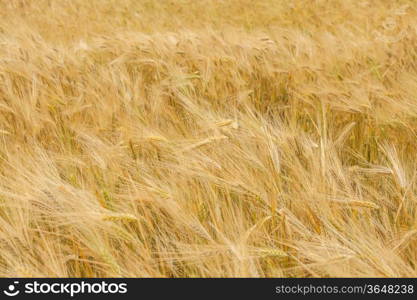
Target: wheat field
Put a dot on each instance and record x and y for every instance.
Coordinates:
(208, 138)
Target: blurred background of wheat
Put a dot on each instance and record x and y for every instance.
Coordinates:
(208, 138)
